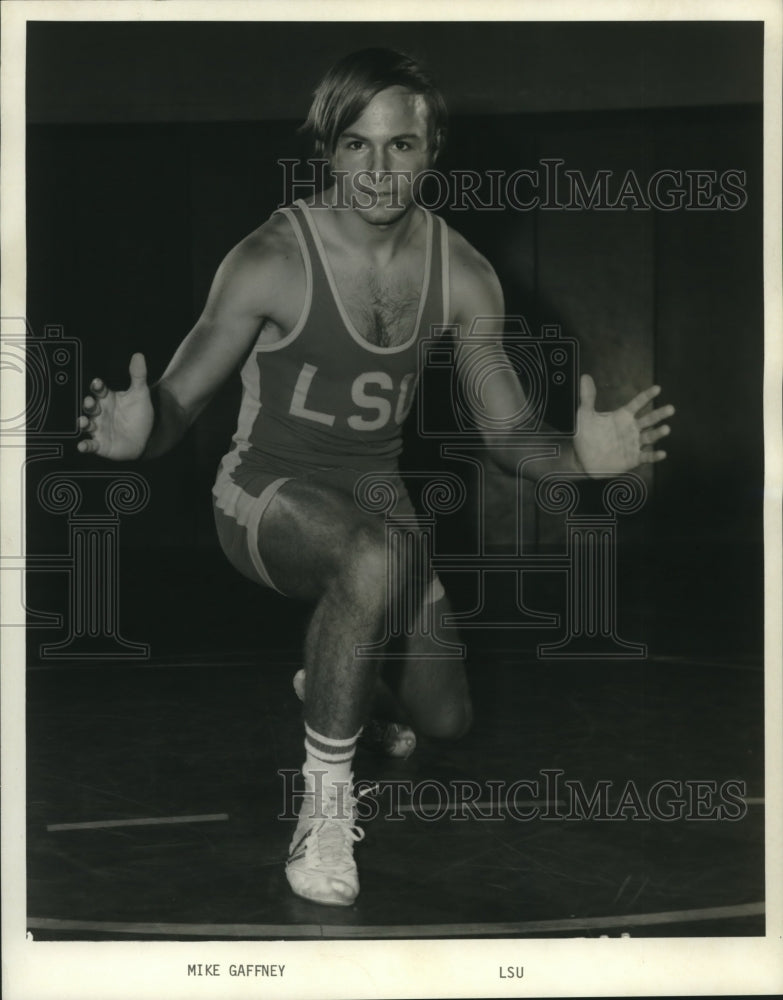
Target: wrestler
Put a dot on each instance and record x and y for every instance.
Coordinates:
(324, 306)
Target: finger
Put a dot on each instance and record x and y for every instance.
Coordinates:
(87, 446)
(83, 423)
(651, 456)
(587, 393)
(653, 435)
(138, 371)
(640, 401)
(98, 388)
(662, 413)
(91, 406)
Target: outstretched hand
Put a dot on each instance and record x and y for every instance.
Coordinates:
(608, 444)
(118, 423)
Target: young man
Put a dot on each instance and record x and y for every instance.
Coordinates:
(325, 304)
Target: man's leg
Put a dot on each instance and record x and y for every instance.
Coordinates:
(432, 690)
(317, 546)
(424, 691)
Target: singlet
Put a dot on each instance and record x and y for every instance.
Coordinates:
(323, 396)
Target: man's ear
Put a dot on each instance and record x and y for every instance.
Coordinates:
(437, 144)
(322, 154)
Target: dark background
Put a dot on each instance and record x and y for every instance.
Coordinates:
(152, 149)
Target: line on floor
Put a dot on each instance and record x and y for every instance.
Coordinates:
(399, 931)
(493, 807)
(283, 658)
(102, 824)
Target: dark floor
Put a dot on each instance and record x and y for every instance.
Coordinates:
(202, 728)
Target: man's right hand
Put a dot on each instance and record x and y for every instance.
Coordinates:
(118, 423)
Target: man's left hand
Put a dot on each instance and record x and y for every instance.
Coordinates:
(608, 444)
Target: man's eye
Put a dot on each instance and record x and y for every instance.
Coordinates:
(355, 144)
(401, 144)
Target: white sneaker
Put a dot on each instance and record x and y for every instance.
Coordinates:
(320, 864)
(393, 739)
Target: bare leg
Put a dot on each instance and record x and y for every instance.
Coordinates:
(433, 692)
(318, 547)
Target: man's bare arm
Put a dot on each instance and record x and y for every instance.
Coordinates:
(604, 444)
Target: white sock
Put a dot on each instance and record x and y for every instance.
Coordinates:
(328, 761)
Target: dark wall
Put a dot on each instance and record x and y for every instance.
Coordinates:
(128, 220)
(108, 72)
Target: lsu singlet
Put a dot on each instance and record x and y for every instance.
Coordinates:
(322, 400)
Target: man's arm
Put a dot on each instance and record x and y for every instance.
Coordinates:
(604, 444)
(144, 422)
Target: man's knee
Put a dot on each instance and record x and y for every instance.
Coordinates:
(364, 564)
(450, 721)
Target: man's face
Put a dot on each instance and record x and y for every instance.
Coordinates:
(381, 153)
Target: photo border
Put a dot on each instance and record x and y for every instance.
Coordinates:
(343, 968)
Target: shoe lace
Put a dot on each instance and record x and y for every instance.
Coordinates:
(338, 831)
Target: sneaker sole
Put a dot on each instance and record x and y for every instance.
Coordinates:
(324, 900)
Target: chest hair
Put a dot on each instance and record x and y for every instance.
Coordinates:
(383, 307)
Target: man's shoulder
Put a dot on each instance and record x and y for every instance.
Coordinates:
(261, 268)
(272, 244)
(465, 260)
(470, 270)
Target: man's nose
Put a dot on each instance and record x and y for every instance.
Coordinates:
(379, 164)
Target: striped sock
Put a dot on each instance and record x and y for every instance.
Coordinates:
(328, 760)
